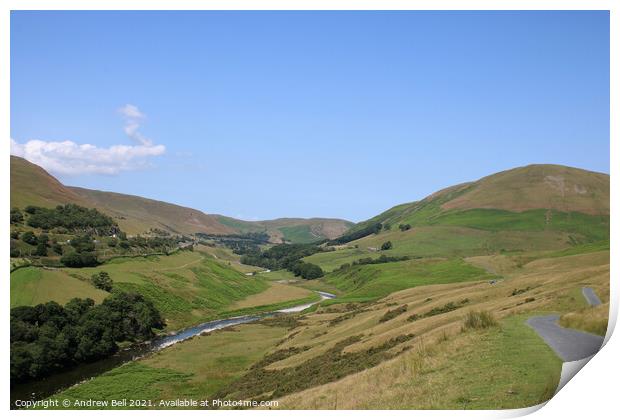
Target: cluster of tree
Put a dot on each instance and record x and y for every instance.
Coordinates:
(381, 260)
(348, 237)
(102, 280)
(71, 217)
(40, 242)
(76, 260)
(155, 243)
(241, 244)
(404, 227)
(49, 337)
(83, 243)
(287, 256)
(16, 215)
(306, 270)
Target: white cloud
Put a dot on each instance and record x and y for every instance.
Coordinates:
(70, 158)
(133, 118)
(131, 111)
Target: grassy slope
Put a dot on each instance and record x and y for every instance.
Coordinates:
(31, 185)
(31, 286)
(374, 281)
(531, 187)
(187, 287)
(507, 367)
(195, 369)
(137, 214)
(274, 294)
(440, 367)
(441, 241)
(538, 207)
(291, 229)
(553, 187)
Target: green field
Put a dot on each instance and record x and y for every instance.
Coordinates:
(187, 287)
(31, 286)
(368, 282)
(441, 241)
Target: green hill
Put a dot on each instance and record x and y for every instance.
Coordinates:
(32, 185)
(558, 189)
(532, 208)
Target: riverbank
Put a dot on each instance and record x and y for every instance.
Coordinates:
(53, 384)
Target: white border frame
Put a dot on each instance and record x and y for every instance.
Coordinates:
(592, 394)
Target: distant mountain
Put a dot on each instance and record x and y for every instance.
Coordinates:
(32, 185)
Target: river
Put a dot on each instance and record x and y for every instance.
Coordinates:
(38, 390)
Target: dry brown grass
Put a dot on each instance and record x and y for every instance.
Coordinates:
(276, 293)
(593, 320)
(552, 284)
(539, 187)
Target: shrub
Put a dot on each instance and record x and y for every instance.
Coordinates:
(448, 307)
(102, 281)
(386, 245)
(479, 320)
(29, 237)
(15, 252)
(76, 260)
(41, 250)
(393, 313)
(57, 248)
(83, 243)
(16, 216)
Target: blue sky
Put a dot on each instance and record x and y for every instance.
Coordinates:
(258, 115)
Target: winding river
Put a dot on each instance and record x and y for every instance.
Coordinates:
(53, 384)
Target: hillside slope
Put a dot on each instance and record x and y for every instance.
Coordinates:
(292, 229)
(532, 208)
(534, 187)
(137, 214)
(32, 185)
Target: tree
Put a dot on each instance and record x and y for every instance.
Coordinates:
(83, 243)
(15, 252)
(112, 242)
(102, 281)
(49, 337)
(16, 216)
(29, 237)
(43, 239)
(386, 245)
(41, 250)
(57, 248)
(73, 259)
(404, 227)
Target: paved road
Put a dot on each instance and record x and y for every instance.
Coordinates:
(591, 296)
(569, 344)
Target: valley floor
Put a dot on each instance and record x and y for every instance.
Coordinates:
(408, 349)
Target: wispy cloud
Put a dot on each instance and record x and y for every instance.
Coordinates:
(70, 158)
(133, 119)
